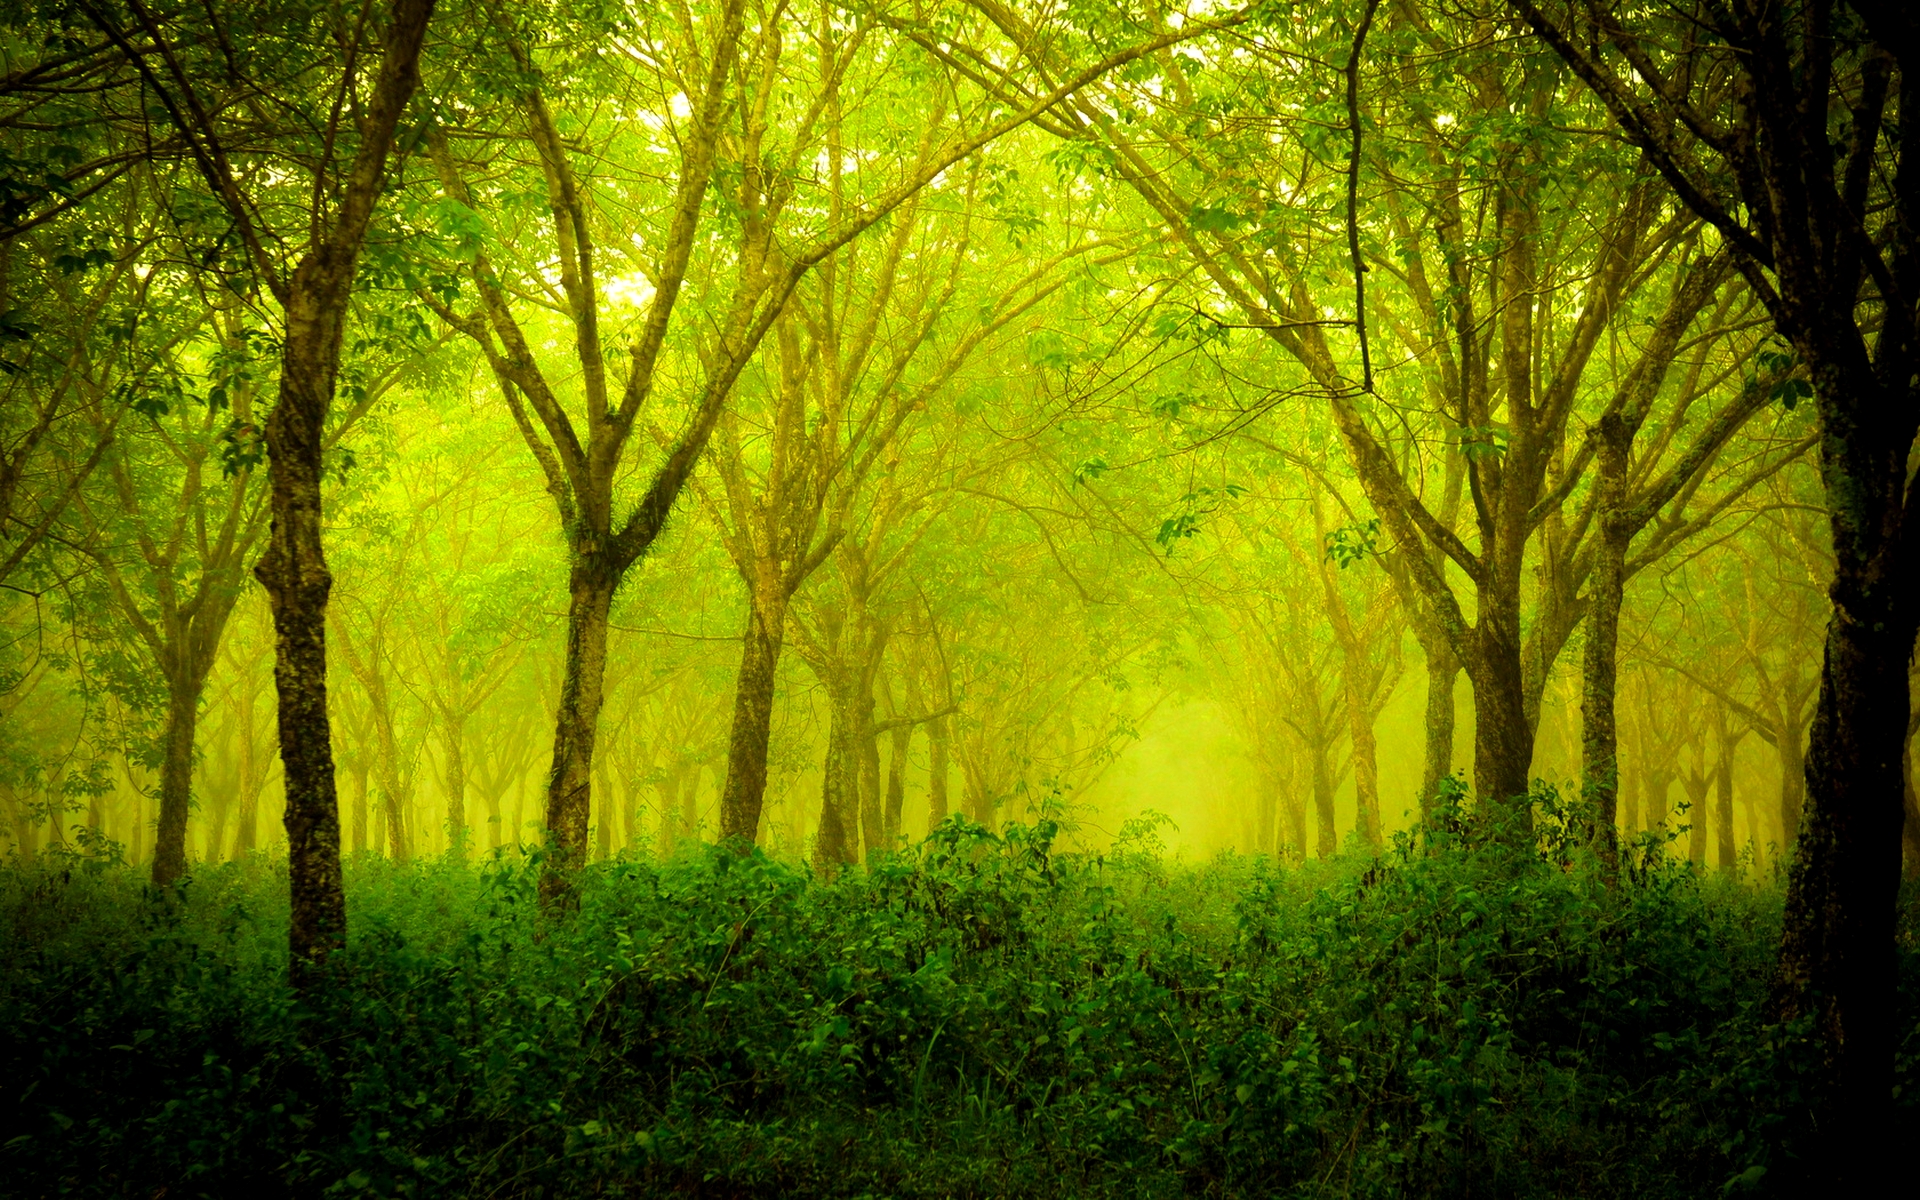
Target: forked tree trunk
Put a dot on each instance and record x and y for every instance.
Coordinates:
(744, 792)
(576, 725)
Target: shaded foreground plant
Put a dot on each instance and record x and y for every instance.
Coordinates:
(982, 1015)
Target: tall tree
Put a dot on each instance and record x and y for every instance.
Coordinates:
(1783, 126)
(348, 79)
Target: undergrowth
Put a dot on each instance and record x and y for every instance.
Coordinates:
(978, 1016)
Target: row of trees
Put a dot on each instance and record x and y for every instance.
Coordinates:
(1471, 323)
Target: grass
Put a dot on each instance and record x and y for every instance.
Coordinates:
(979, 1016)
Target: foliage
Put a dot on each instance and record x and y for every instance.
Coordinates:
(980, 1015)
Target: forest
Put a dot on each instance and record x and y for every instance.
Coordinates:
(958, 597)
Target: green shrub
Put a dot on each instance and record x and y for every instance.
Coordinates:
(980, 1015)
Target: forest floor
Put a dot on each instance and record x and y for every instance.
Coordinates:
(979, 1016)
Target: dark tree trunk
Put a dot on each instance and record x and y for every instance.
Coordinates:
(176, 783)
(576, 725)
(294, 572)
(745, 790)
(1502, 734)
(1837, 946)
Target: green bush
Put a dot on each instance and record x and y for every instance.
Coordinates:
(978, 1016)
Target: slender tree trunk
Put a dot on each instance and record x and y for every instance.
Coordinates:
(1366, 759)
(360, 770)
(176, 782)
(937, 767)
(599, 829)
(1633, 783)
(456, 736)
(298, 583)
(1443, 672)
(901, 744)
(866, 748)
(247, 824)
(569, 782)
(1910, 828)
(1599, 735)
(1723, 796)
(745, 790)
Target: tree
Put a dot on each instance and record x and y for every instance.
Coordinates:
(306, 259)
(1778, 126)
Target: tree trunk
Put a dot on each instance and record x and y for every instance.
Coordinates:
(1654, 810)
(1837, 962)
(456, 784)
(690, 805)
(247, 822)
(1366, 759)
(835, 843)
(1323, 802)
(744, 792)
(1502, 734)
(1723, 796)
(668, 790)
(360, 770)
(569, 782)
(937, 767)
(176, 783)
(1633, 783)
(866, 748)
(902, 743)
(1599, 735)
(1443, 672)
(1697, 783)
